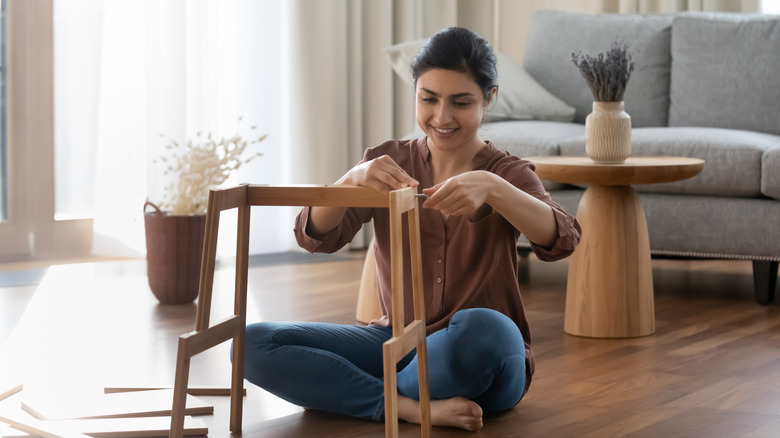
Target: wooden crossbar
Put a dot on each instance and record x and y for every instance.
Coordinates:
(205, 336)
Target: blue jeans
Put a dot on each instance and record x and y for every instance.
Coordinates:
(338, 368)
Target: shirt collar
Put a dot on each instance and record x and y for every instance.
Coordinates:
(480, 160)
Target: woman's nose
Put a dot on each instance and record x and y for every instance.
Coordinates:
(442, 114)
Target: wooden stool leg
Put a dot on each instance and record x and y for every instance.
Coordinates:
(237, 385)
(391, 392)
(181, 381)
(418, 295)
(425, 395)
(240, 300)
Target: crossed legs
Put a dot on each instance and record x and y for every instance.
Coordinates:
(476, 366)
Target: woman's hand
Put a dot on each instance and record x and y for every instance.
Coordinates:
(381, 174)
(465, 193)
(462, 194)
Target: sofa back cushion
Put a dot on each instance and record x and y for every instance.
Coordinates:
(555, 35)
(519, 97)
(725, 71)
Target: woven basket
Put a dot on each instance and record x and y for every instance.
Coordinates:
(174, 246)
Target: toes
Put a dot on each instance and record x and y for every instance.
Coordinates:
(472, 424)
(457, 412)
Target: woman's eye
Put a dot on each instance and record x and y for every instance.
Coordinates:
(462, 103)
(427, 99)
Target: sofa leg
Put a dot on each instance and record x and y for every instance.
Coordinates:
(523, 268)
(765, 280)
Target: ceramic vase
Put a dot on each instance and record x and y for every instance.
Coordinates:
(174, 247)
(608, 133)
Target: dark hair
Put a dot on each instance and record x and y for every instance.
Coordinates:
(458, 49)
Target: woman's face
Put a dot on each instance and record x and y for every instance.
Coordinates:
(449, 108)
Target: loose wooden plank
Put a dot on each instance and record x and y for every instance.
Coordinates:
(121, 405)
(7, 391)
(37, 427)
(120, 427)
(192, 390)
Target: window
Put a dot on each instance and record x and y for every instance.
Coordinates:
(770, 6)
(13, 217)
(3, 118)
(29, 229)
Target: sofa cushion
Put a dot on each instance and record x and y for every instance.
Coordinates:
(733, 158)
(520, 97)
(770, 172)
(725, 71)
(530, 138)
(707, 227)
(555, 35)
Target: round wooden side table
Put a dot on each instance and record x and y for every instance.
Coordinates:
(609, 292)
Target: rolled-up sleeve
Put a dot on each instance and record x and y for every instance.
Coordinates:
(569, 234)
(522, 174)
(335, 239)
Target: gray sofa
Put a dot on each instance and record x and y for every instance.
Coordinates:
(706, 86)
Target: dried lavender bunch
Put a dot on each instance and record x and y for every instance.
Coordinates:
(199, 165)
(607, 73)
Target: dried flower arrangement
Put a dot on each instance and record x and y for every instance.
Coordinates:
(607, 73)
(198, 165)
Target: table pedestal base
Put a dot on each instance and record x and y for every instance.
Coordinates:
(610, 283)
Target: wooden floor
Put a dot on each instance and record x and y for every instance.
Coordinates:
(711, 369)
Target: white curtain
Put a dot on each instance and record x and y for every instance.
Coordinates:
(310, 73)
(99, 132)
(127, 71)
(296, 70)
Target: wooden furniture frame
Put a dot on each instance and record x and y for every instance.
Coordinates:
(609, 293)
(205, 336)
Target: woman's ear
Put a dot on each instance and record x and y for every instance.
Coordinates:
(492, 97)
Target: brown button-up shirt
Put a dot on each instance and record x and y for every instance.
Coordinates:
(468, 261)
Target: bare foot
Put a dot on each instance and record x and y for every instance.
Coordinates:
(454, 412)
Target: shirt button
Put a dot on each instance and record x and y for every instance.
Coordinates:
(438, 280)
(438, 260)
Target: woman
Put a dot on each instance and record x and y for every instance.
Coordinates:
(479, 200)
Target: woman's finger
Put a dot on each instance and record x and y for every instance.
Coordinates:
(385, 170)
(398, 173)
(453, 197)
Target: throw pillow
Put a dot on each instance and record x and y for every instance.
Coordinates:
(724, 73)
(519, 97)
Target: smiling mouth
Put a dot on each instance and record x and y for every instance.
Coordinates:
(444, 131)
